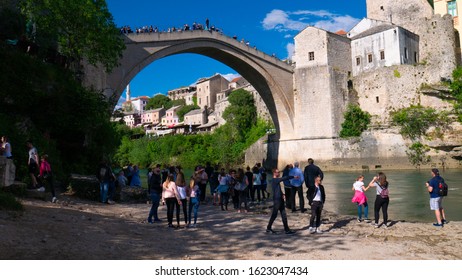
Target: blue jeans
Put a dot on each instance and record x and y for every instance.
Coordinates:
(103, 189)
(360, 210)
(155, 199)
(193, 204)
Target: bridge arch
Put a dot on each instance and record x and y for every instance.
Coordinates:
(271, 77)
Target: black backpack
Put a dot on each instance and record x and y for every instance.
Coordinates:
(443, 188)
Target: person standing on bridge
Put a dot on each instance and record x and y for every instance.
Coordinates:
(207, 22)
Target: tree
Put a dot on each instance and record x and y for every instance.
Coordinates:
(415, 120)
(417, 154)
(356, 121)
(241, 114)
(82, 29)
(159, 101)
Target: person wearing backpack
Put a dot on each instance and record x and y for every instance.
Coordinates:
(436, 199)
(381, 199)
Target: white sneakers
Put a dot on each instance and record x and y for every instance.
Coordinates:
(53, 200)
(41, 189)
(314, 230)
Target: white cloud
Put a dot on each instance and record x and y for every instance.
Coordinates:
(290, 21)
(290, 50)
(280, 21)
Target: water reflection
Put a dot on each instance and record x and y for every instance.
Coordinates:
(409, 199)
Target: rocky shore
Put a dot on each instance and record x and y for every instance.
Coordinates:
(76, 229)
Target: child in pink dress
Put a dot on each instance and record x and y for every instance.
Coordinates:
(360, 198)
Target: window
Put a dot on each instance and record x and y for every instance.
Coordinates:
(369, 58)
(382, 55)
(452, 8)
(200, 101)
(405, 53)
(358, 60)
(377, 99)
(416, 57)
(311, 56)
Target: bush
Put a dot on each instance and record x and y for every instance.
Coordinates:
(356, 121)
(415, 120)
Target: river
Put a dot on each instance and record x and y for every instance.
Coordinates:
(409, 198)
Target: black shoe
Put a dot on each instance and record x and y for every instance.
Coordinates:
(443, 221)
(303, 210)
(268, 230)
(290, 231)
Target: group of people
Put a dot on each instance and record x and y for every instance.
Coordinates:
(382, 198)
(150, 29)
(39, 169)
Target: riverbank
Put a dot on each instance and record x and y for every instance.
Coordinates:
(76, 229)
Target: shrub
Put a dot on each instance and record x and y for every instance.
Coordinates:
(356, 121)
(9, 202)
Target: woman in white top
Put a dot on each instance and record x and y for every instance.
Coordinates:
(183, 194)
(360, 198)
(171, 197)
(194, 198)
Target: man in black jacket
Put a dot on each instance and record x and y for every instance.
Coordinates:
(316, 198)
(278, 202)
(311, 172)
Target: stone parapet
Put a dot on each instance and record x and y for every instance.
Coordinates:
(7, 172)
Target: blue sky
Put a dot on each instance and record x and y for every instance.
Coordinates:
(270, 25)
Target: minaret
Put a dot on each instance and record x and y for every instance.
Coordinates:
(128, 92)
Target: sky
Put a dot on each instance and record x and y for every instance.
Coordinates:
(269, 25)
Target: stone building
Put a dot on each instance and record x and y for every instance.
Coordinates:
(421, 48)
(171, 118)
(152, 116)
(196, 117)
(376, 44)
(181, 93)
(453, 8)
(207, 90)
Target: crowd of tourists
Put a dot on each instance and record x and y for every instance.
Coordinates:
(154, 29)
(236, 190)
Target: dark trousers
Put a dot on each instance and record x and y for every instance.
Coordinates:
(381, 203)
(256, 188)
(224, 200)
(278, 206)
(49, 181)
(243, 198)
(288, 191)
(185, 211)
(316, 209)
(171, 204)
(293, 192)
(203, 188)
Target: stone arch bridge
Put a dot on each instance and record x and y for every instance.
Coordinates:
(271, 77)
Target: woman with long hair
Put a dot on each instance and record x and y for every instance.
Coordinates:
(171, 198)
(194, 201)
(381, 199)
(182, 189)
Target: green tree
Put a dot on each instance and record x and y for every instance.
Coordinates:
(417, 154)
(415, 120)
(82, 29)
(241, 114)
(356, 121)
(159, 101)
(456, 90)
